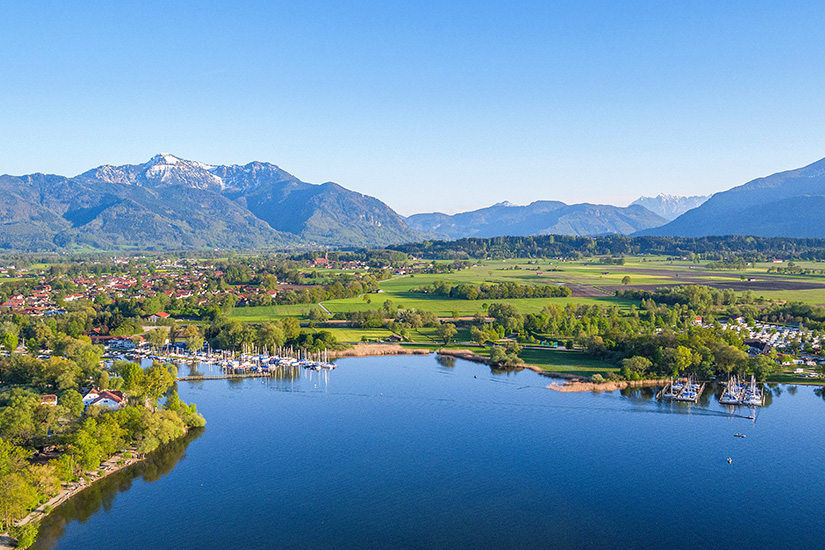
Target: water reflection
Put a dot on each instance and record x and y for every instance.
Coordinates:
(446, 361)
(640, 394)
(101, 495)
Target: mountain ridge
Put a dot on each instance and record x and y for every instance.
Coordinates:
(759, 207)
(537, 218)
(169, 202)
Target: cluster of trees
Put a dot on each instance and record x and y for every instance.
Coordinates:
(811, 316)
(372, 258)
(612, 261)
(751, 249)
(337, 290)
(657, 340)
(700, 298)
(792, 269)
(495, 291)
(737, 264)
(83, 438)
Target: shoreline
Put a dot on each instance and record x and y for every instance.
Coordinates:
(582, 386)
(109, 467)
(363, 349)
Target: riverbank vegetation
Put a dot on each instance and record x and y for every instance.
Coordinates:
(49, 438)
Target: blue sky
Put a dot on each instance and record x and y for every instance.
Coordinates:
(427, 105)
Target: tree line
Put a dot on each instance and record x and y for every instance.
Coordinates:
(748, 248)
(494, 291)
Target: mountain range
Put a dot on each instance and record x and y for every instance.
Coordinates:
(785, 204)
(171, 203)
(538, 218)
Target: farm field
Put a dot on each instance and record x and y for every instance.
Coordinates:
(592, 284)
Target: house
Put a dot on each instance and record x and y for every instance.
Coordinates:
(50, 400)
(157, 316)
(109, 399)
(697, 321)
(91, 395)
(757, 347)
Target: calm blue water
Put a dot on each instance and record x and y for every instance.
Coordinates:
(407, 452)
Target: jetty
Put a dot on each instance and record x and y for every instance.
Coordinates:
(685, 390)
(738, 393)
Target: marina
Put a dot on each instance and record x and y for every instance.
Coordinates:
(737, 393)
(250, 362)
(683, 389)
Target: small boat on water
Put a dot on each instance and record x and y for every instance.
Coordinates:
(738, 435)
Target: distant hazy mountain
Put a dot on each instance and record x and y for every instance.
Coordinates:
(538, 218)
(670, 207)
(171, 203)
(787, 204)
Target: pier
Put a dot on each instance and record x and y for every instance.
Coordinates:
(682, 390)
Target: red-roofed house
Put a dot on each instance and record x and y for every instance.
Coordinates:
(157, 316)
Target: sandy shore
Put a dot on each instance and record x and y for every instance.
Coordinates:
(573, 386)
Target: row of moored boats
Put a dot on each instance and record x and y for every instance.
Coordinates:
(739, 392)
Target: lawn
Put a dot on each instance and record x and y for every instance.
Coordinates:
(572, 362)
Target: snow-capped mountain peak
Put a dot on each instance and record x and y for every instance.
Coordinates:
(670, 206)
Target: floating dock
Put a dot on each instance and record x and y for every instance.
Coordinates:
(682, 390)
(737, 393)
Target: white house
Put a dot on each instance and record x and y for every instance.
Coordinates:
(109, 399)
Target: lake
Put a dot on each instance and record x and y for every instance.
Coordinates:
(416, 452)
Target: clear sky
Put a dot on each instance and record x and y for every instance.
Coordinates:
(426, 105)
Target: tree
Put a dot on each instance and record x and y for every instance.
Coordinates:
(26, 535)
(32, 346)
(729, 358)
(316, 315)
(16, 497)
(72, 401)
(158, 379)
(761, 367)
(626, 280)
(10, 342)
(133, 377)
(446, 331)
(271, 336)
(291, 327)
(157, 337)
(478, 336)
(194, 338)
(634, 368)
